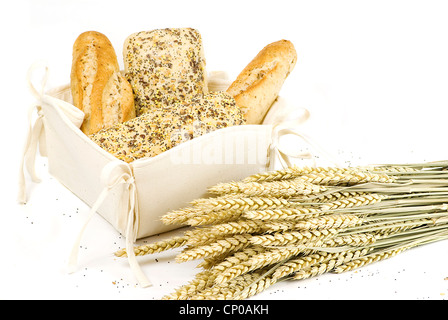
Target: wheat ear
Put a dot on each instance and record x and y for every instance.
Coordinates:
(295, 238)
(236, 288)
(346, 178)
(156, 247)
(219, 247)
(201, 281)
(276, 188)
(357, 263)
(328, 265)
(257, 261)
(294, 172)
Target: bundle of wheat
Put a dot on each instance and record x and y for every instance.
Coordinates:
(297, 223)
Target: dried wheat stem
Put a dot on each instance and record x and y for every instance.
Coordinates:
(281, 214)
(357, 201)
(234, 289)
(326, 197)
(214, 217)
(275, 188)
(155, 247)
(329, 265)
(357, 263)
(241, 254)
(179, 216)
(221, 209)
(242, 203)
(200, 236)
(300, 213)
(260, 260)
(283, 174)
(202, 280)
(224, 291)
(196, 238)
(294, 172)
(221, 246)
(293, 237)
(204, 202)
(296, 264)
(341, 221)
(233, 227)
(237, 258)
(346, 178)
(353, 240)
(256, 287)
(386, 228)
(395, 170)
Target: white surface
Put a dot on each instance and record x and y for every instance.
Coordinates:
(372, 73)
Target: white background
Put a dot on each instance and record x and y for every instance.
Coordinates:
(373, 74)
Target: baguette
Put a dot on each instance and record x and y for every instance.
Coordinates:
(164, 67)
(166, 127)
(97, 86)
(258, 85)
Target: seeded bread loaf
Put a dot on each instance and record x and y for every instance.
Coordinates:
(257, 86)
(97, 86)
(166, 127)
(164, 66)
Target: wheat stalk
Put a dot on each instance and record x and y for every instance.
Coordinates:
(298, 263)
(202, 280)
(328, 265)
(346, 178)
(237, 288)
(221, 246)
(333, 221)
(323, 222)
(282, 214)
(357, 263)
(156, 247)
(298, 237)
(236, 259)
(242, 203)
(214, 217)
(257, 261)
(284, 174)
(274, 188)
(295, 171)
(225, 229)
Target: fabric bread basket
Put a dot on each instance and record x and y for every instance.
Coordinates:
(132, 197)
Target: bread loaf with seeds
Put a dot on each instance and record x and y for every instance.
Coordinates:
(164, 67)
(166, 127)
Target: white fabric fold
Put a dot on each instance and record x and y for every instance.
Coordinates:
(29, 152)
(34, 131)
(34, 137)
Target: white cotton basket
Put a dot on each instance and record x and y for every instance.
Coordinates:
(166, 182)
(133, 197)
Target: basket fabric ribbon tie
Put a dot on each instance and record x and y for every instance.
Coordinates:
(287, 121)
(113, 174)
(34, 133)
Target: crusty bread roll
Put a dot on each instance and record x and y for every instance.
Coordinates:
(164, 67)
(166, 127)
(97, 86)
(258, 84)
